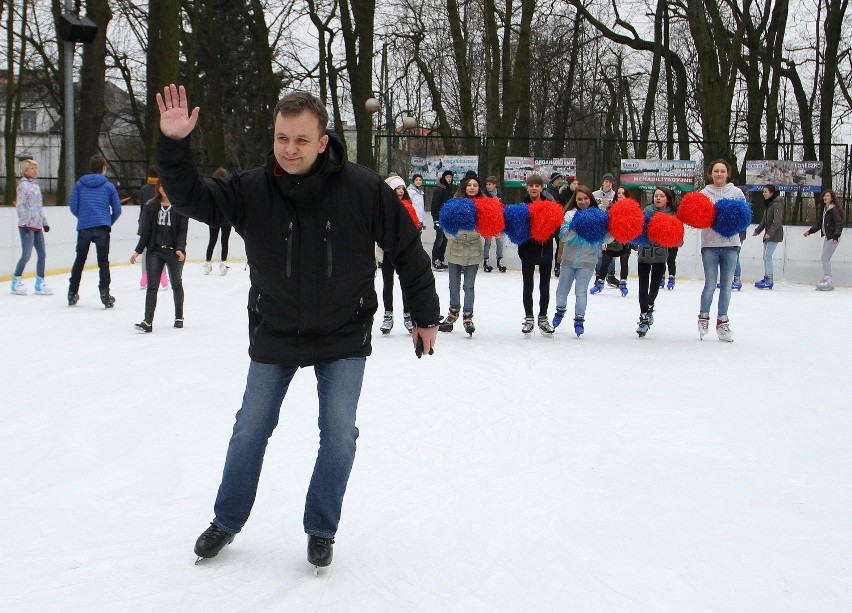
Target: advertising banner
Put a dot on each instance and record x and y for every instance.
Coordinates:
(517, 169)
(785, 175)
(433, 166)
(648, 174)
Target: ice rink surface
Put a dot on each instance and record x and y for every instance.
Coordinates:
(604, 473)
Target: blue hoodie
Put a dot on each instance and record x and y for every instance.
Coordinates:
(94, 202)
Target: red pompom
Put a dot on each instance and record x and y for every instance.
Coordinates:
(696, 210)
(665, 230)
(626, 220)
(546, 217)
(489, 216)
(410, 208)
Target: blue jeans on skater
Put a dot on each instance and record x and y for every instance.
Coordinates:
(456, 271)
(768, 250)
(487, 249)
(719, 264)
(30, 239)
(338, 389)
(569, 276)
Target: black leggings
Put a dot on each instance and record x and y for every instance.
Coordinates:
(157, 259)
(670, 262)
(527, 273)
(387, 284)
(609, 256)
(652, 273)
(214, 234)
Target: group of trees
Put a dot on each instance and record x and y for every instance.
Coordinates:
(755, 79)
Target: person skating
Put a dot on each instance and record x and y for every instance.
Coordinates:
(310, 221)
(32, 224)
(219, 173)
(718, 255)
(388, 269)
(773, 225)
(652, 261)
(442, 193)
(162, 237)
(536, 254)
(830, 225)
(578, 259)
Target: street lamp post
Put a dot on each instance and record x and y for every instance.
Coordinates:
(374, 105)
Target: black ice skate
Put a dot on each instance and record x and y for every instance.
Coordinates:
(447, 324)
(109, 301)
(320, 551)
(528, 326)
(468, 323)
(211, 542)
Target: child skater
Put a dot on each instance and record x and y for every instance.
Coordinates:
(830, 227)
(578, 260)
(652, 262)
(463, 254)
(718, 255)
(398, 185)
(533, 253)
(163, 235)
(612, 250)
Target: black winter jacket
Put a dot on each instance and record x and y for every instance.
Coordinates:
(148, 227)
(439, 198)
(310, 243)
(829, 223)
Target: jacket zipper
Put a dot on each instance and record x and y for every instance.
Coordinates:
(289, 247)
(327, 248)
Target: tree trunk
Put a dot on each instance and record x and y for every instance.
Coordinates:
(357, 18)
(836, 10)
(162, 57)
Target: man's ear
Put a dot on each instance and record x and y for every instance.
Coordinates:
(323, 143)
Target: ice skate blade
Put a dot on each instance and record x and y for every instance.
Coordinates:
(546, 334)
(199, 560)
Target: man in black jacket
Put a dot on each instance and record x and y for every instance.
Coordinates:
(442, 193)
(310, 221)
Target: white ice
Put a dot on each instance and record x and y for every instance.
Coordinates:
(604, 473)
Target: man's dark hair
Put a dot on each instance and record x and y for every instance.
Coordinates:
(297, 103)
(97, 164)
(152, 172)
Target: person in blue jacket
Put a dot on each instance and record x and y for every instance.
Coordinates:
(95, 204)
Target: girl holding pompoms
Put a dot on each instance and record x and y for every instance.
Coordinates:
(719, 249)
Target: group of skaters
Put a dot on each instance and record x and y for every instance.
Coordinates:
(94, 201)
(576, 262)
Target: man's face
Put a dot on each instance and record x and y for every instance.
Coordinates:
(298, 142)
(491, 187)
(557, 183)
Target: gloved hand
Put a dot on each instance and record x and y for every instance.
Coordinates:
(437, 225)
(46, 228)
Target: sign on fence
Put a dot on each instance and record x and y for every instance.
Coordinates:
(517, 169)
(785, 175)
(648, 174)
(433, 166)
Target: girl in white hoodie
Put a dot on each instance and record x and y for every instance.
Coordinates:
(719, 255)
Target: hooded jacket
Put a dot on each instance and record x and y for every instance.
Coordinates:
(773, 220)
(709, 236)
(29, 205)
(94, 202)
(310, 242)
(829, 224)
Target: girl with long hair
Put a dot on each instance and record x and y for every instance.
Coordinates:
(830, 227)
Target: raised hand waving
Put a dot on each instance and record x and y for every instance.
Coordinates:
(175, 119)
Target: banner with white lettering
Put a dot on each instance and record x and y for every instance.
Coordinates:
(433, 166)
(648, 174)
(785, 175)
(517, 169)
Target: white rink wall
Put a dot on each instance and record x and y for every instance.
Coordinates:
(797, 259)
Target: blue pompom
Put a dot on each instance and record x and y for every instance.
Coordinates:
(733, 215)
(642, 239)
(517, 223)
(590, 225)
(458, 214)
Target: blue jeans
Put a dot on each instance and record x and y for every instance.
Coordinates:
(487, 249)
(719, 263)
(30, 238)
(455, 275)
(569, 275)
(100, 236)
(338, 389)
(768, 250)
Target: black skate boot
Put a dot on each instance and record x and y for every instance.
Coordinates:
(500, 265)
(468, 323)
(387, 323)
(108, 300)
(211, 542)
(73, 297)
(143, 326)
(447, 324)
(644, 325)
(486, 266)
(527, 328)
(320, 551)
(544, 327)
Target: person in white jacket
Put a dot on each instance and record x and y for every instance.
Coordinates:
(418, 195)
(719, 255)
